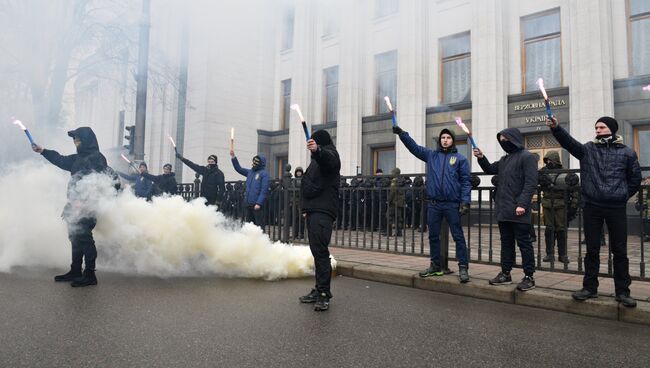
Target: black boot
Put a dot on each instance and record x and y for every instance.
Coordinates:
(561, 247)
(549, 238)
(311, 297)
(74, 273)
(87, 279)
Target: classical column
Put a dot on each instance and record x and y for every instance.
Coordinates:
(412, 80)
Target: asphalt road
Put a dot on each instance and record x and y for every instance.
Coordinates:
(211, 322)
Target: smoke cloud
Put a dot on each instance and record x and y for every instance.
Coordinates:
(165, 237)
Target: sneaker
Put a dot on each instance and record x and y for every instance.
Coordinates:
(433, 270)
(527, 283)
(463, 275)
(309, 298)
(626, 300)
(87, 279)
(548, 258)
(583, 294)
(501, 279)
(70, 276)
(322, 303)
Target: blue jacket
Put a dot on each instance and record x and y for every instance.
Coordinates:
(448, 175)
(257, 182)
(143, 187)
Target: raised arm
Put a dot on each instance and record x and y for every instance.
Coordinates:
(575, 148)
(62, 162)
(197, 168)
(418, 151)
(238, 168)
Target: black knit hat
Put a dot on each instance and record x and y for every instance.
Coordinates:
(142, 164)
(611, 123)
(167, 165)
(213, 157)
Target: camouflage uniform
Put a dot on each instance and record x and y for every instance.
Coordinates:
(396, 203)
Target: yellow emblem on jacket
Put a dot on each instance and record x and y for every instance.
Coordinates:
(452, 160)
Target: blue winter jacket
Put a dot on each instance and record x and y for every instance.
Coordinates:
(143, 187)
(448, 174)
(257, 182)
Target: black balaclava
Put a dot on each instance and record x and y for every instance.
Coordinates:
(257, 161)
(213, 157)
(322, 138)
(611, 123)
(508, 146)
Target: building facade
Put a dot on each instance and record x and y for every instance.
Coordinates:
(439, 59)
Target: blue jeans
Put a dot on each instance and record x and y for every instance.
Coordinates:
(435, 213)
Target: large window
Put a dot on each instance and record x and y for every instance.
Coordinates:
(287, 29)
(331, 82)
(541, 49)
(639, 36)
(385, 7)
(285, 108)
(331, 23)
(455, 64)
(386, 80)
(384, 159)
(642, 144)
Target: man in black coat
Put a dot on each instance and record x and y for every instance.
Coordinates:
(213, 185)
(517, 183)
(610, 175)
(86, 161)
(320, 192)
(165, 183)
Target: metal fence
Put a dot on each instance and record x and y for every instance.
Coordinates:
(376, 216)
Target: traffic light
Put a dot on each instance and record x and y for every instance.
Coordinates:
(130, 136)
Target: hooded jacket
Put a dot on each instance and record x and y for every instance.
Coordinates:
(516, 181)
(86, 161)
(257, 181)
(164, 183)
(447, 171)
(143, 187)
(609, 170)
(213, 185)
(320, 183)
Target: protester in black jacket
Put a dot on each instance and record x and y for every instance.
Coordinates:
(610, 175)
(517, 182)
(213, 185)
(165, 183)
(80, 221)
(320, 191)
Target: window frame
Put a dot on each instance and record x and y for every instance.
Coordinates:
(453, 58)
(375, 156)
(629, 19)
(380, 99)
(326, 95)
(636, 130)
(546, 37)
(285, 114)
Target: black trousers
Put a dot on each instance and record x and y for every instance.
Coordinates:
(256, 217)
(511, 231)
(319, 227)
(616, 221)
(83, 244)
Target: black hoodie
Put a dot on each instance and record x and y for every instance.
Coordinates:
(213, 186)
(320, 183)
(87, 160)
(517, 179)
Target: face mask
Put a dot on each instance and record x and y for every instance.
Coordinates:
(508, 146)
(604, 136)
(551, 165)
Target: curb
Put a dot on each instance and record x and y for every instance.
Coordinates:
(603, 307)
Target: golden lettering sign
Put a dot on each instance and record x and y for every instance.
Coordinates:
(539, 105)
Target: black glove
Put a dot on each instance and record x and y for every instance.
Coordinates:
(397, 130)
(463, 209)
(178, 155)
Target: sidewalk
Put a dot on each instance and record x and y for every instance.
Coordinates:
(553, 289)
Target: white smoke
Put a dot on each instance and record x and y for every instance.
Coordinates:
(166, 237)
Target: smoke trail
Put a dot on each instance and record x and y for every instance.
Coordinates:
(166, 237)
